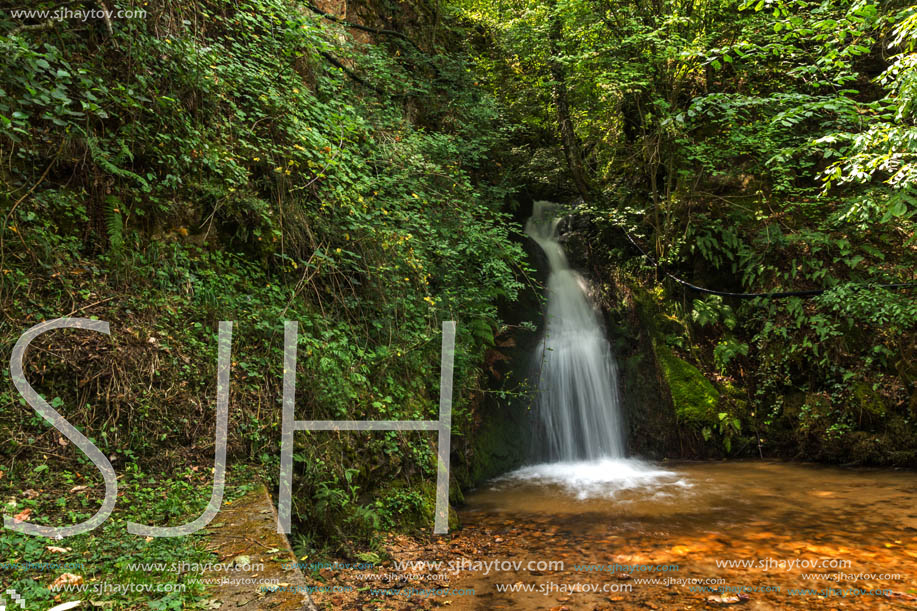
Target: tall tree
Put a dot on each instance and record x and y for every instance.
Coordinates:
(573, 150)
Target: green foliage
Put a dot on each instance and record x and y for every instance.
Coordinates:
(728, 428)
(727, 350)
(252, 161)
(712, 310)
(885, 147)
(213, 161)
(761, 147)
(114, 224)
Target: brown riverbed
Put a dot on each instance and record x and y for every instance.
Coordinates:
(848, 534)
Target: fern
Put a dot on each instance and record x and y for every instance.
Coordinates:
(110, 163)
(114, 225)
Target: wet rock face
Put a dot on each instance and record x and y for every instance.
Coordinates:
(572, 226)
(502, 431)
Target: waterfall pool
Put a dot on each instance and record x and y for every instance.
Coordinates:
(755, 534)
(622, 534)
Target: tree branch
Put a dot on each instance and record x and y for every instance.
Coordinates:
(336, 63)
(45, 25)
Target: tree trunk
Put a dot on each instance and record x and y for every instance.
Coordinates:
(571, 145)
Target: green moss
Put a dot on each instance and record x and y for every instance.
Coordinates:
(454, 521)
(868, 400)
(695, 398)
(427, 514)
(495, 452)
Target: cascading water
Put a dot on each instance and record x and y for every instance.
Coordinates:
(577, 405)
(577, 402)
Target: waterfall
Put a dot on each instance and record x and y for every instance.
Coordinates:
(577, 403)
(580, 431)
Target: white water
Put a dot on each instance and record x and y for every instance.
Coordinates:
(599, 478)
(577, 402)
(577, 405)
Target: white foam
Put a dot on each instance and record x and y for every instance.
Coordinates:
(604, 477)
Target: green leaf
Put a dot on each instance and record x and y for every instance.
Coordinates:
(899, 208)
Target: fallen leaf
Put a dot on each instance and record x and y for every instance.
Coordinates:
(57, 550)
(23, 515)
(901, 596)
(67, 579)
(823, 549)
(726, 599)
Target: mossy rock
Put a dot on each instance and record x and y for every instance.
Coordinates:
(456, 494)
(694, 397)
(868, 400)
(427, 515)
(496, 451)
